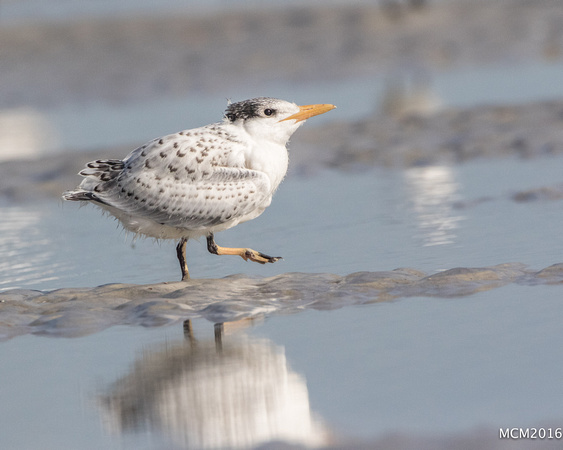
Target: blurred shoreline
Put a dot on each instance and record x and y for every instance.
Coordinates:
(133, 58)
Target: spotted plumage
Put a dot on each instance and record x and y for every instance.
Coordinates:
(196, 182)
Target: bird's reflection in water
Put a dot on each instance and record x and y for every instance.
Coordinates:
(221, 393)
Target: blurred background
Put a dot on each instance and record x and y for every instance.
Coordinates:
(445, 152)
(91, 75)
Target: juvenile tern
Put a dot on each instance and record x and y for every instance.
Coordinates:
(197, 182)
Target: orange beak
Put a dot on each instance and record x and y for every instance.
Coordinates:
(307, 111)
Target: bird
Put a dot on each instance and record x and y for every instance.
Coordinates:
(200, 181)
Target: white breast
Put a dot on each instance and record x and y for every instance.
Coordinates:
(270, 158)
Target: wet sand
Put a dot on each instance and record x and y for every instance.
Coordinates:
(80, 311)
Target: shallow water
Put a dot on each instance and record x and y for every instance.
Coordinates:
(428, 218)
(418, 365)
(430, 365)
(345, 372)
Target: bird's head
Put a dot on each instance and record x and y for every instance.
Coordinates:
(271, 118)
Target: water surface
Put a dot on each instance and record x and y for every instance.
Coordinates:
(419, 365)
(428, 218)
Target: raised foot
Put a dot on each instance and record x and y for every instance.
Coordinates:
(244, 253)
(258, 257)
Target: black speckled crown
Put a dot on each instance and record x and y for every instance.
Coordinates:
(247, 108)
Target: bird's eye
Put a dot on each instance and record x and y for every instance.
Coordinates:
(269, 112)
(231, 117)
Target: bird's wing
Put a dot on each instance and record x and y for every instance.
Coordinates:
(192, 179)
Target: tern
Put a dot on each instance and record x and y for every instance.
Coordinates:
(201, 181)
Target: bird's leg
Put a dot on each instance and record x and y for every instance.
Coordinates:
(244, 253)
(181, 253)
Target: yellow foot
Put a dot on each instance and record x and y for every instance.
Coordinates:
(258, 257)
(244, 253)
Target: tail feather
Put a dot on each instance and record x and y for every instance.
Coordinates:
(103, 169)
(97, 174)
(82, 196)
